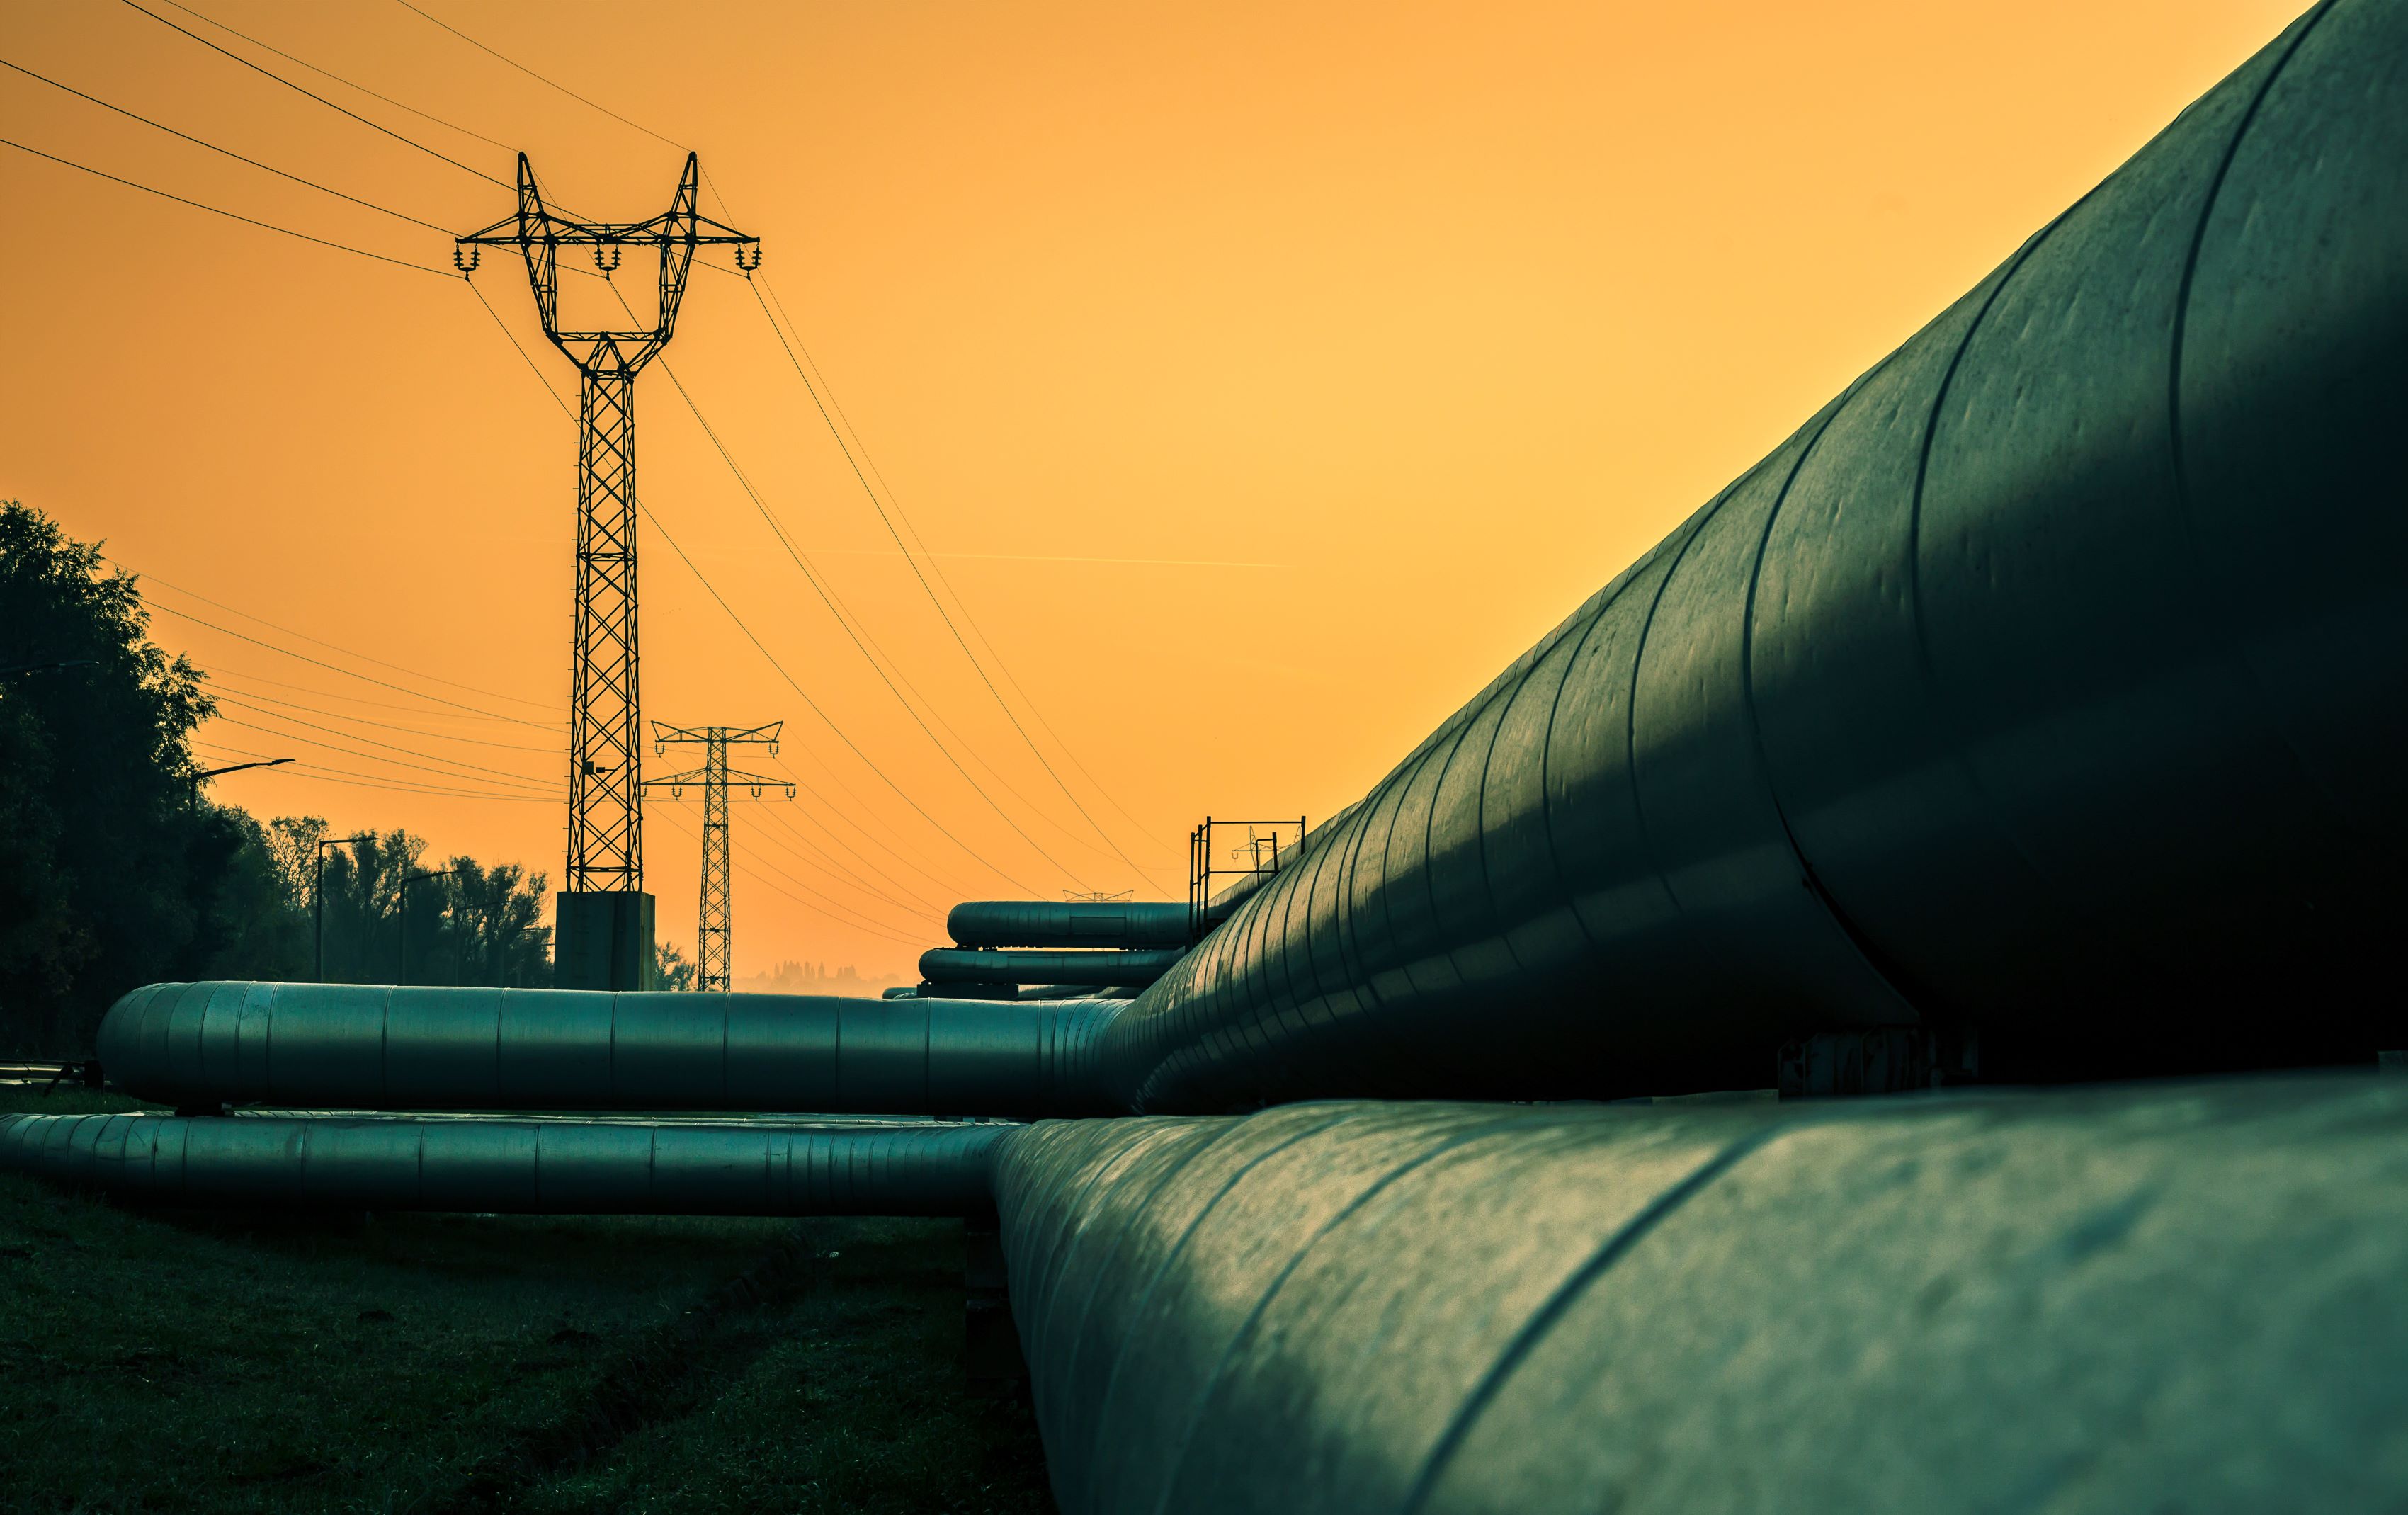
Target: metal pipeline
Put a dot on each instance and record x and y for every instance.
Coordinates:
(2047, 691)
(2101, 1300)
(501, 1167)
(363, 1047)
(1036, 922)
(1906, 1305)
(1089, 969)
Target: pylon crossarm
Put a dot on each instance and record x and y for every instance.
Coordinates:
(663, 733)
(659, 232)
(755, 781)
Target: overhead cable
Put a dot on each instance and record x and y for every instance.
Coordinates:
(352, 779)
(348, 84)
(304, 657)
(281, 735)
(772, 886)
(219, 669)
(712, 590)
(812, 578)
(384, 210)
(303, 89)
(332, 647)
(372, 741)
(845, 875)
(219, 687)
(533, 75)
(962, 604)
(929, 590)
(265, 225)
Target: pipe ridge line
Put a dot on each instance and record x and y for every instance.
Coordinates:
(1162, 1266)
(1626, 1237)
(1263, 1303)
(2176, 448)
(1848, 929)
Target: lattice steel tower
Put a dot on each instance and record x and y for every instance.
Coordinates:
(606, 942)
(714, 933)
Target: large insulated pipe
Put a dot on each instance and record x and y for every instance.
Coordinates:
(360, 1046)
(501, 1167)
(1036, 922)
(2050, 686)
(2100, 1301)
(1097, 970)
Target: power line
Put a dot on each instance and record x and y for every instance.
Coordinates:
(227, 152)
(301, 89)
(887, 929)
(772, 886)
(858, 917)
(304, 657)
(364, 657)
(825, 860)
(538, 78)
(522, 779)
(959, 603)
(306, 769)
(348, 751)
(827, 865)
(826, 598)
(388, 725)
(770, 657)
(220, 670)
(265, 225)
(866, 643)
(348, 84)
(929, 590)
(849, 744)
(812, 578)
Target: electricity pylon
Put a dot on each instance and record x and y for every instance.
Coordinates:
(606, 942)
(714, 935)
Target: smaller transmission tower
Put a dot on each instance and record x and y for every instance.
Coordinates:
(714, 935)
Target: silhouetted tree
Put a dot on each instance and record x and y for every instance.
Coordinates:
(114, 872)
(670, 969)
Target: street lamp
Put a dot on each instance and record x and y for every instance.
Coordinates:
(401, 947)
(237, 767)
(207, 773)
(503, 970)
(41, 665)
(318, 897)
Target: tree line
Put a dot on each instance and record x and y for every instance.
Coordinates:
(116, 870)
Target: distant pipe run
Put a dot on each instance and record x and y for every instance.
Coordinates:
(1097, 970)
(502, 1166)
(1066, 923)
(364, 1047)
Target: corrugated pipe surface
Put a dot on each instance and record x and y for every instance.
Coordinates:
(1038, 922)
(2052, 681)
(1098, 970)
(363, 1047)
(2107, 1300)
(500, 1166)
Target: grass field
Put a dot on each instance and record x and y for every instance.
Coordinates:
(151, 1360)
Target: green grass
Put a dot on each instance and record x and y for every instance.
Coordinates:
(179, 1362)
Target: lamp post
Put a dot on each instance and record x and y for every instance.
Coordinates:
(401, 945)
(206, 774)
(318, 898)
(46, 665)
(262, 763)
(501, 970)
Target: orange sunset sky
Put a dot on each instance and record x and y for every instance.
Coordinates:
(1262, 377)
